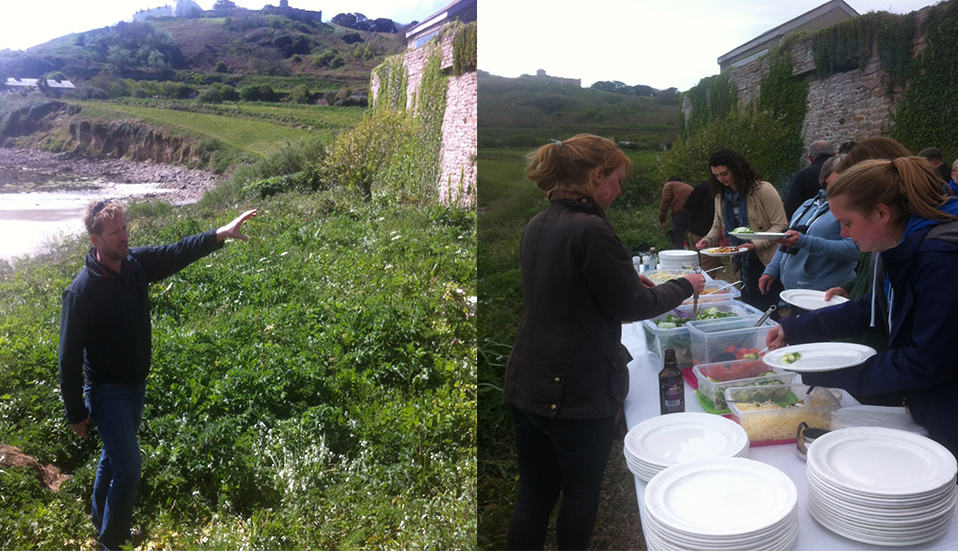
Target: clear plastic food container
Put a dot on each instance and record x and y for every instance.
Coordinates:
(715, 378)
(771, 414)
(716, 290)
(727, 339)
(659, 339)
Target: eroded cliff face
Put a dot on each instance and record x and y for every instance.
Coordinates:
(134, 141)
(62, 127)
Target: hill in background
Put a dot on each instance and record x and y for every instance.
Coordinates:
(198, 51)
(528, 111)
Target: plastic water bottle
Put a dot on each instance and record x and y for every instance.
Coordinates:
(653, 259)
(637, 263)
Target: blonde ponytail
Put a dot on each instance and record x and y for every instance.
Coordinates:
(566, 164)
(906, 184)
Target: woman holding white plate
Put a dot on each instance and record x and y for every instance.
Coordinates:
(901, 211)
(742, 198)
(813, 254)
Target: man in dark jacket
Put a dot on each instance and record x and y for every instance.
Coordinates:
(934, 156)
(805, 185)
(105, 350)
(701, 209)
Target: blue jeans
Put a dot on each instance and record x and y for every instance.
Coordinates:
(116, 410)
(558, 455)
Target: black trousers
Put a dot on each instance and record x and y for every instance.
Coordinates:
(558, 456)
(752, 269)
(680, 225)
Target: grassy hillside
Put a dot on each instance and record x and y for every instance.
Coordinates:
(251, 128)
(198, 52)
(528, 112)
(313, 388)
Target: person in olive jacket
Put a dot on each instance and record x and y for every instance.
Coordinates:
(105, 349)
(566, 378)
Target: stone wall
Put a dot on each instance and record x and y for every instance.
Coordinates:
(457, 181)
(844, 106)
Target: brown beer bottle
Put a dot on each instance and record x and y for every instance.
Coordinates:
(671, 386)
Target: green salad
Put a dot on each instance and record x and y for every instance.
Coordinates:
(674, 321)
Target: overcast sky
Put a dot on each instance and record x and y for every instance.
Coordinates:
(25, 23)
(660, 43)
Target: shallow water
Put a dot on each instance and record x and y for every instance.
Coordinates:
(31, 220)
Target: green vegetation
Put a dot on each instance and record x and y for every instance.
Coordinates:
(849, 45)
(768, 132)
(464, 51)
(526, 112)
(313, 388)
(928, 111)
(394, 148)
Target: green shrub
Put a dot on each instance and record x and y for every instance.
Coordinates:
(211, 95)
(300, 94)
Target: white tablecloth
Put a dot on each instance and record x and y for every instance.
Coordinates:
(643, 402)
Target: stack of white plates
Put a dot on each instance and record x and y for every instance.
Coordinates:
(721, 504)
(657, 443)
(678, 258)
(881, 486)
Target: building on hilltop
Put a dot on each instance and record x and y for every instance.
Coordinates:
(293, 13)
(541, 76)
(823, 16)
(179, 8)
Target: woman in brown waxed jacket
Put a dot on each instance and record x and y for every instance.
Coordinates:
(566, 377)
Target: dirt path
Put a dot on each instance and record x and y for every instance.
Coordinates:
(50, 475)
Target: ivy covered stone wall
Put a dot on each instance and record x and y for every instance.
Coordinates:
(854, 91)
(457, 155)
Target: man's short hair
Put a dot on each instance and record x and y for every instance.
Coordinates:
(99, 211)
(821, 147)
(931, 153)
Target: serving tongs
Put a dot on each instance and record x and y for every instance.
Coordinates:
(761, 320)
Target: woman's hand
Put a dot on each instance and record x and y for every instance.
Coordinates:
(832, 292)
(790, 239)
(646, 282)
(701, 244)
(765, 282)
(775, 338)
(747, 245)
(697, 281)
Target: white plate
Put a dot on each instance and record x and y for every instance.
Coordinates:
(896, 417)
(684, 436)
(721, 497)
(758, 235)
(882, 462)
(819, 357)
(810, 299)
(717, 252)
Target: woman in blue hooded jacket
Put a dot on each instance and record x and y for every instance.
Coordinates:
(814, 254)
(900, 210)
